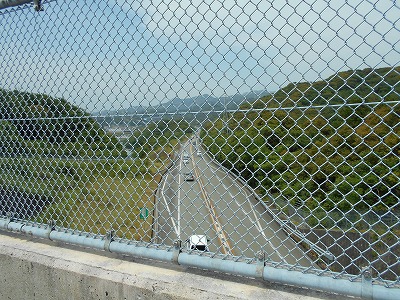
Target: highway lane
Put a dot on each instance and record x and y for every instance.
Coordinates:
(249, 226)
(218, 206)
(181, 211)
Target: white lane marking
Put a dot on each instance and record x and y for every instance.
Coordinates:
(217, 226)
(166, 205)
(256, 220)
(250, 204)
(179, 198)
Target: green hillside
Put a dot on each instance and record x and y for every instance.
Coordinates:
(158, 136)
(57, 163)
(330, 145)
(37, 124)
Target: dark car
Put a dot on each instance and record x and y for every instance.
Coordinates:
(188, 176)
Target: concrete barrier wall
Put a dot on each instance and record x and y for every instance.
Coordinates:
(36, 269)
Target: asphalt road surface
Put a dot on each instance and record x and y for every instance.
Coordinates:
(218, 206)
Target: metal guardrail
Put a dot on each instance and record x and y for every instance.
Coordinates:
(363, 289)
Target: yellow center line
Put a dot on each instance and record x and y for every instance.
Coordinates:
(226, 247)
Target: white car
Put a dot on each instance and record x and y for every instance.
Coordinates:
(197, 242)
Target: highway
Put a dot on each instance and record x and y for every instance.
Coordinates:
(218, 206)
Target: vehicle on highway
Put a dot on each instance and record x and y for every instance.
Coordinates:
(198, 153)
(197, 242)
(186, 158)
(188, 176)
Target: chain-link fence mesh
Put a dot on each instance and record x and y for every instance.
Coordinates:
(238, 128)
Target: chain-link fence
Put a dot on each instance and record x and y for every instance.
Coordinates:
(249, 131)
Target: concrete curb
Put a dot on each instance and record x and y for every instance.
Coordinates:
(33, 269)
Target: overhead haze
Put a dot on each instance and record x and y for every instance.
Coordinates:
(107, 55)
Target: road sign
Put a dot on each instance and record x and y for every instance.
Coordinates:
(144, 213)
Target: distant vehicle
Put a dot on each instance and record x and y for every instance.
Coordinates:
(198, 153)
(186, 158)
(189, 176)
(197, 242)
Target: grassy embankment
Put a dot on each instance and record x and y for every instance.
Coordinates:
(91, 196)
(58, 163)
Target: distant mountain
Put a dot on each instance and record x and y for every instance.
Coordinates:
(208, 103)
(193, 104)
(200, 103)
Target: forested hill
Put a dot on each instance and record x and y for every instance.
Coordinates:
(328, 145)
(39, 124)
(349, 87)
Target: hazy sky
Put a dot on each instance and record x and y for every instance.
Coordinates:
(115, 54)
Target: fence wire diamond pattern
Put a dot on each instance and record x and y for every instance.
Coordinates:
(240, 129)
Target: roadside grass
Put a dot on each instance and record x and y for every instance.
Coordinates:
(107, 203)
(93, 196)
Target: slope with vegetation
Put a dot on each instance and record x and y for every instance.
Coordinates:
(159, 137)
(328, 147)
(33, 124)
(57, 163)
